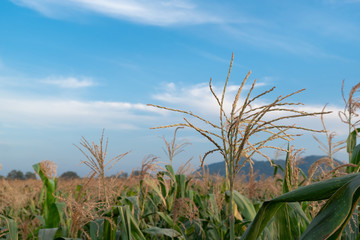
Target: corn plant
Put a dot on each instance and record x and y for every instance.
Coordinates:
(47, 172)
(234, 135)
(96, 161)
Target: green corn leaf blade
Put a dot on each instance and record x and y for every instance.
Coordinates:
(262, 218)
(166, 218)
(181, 185)
(169, 221)
(133, 203)
(355, 159)
(51, 216)
(351, 231)
(61, 210)
(158, 191)
(305, 178)
(66, 238)
(47, 233)
(316, 191)
(212, 234)
(156, 231)
(351, 141)
(343, 193)
(287, 174)
(170, 172)
(213, 206)
(134, 226)
(96, 229)
(78, 191)
(110, 223)
(12, 226)
(190, 194)
(124, 225)
(289, 222)
(245, 206)
(37, 169)
(161, 182)
(334, 216)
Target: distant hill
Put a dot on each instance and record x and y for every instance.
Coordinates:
(263, 168)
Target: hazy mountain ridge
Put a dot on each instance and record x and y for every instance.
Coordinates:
(263, 168)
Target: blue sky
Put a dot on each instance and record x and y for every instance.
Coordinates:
(71, 68)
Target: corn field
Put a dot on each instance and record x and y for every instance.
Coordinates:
(161, 203)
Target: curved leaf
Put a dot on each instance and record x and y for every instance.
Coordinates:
(156, 231)
(333, 217)
(11, 224)
(47, 233)
(355, 159)
(343, 192)
(245, 206)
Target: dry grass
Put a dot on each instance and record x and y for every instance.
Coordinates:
(15, 198)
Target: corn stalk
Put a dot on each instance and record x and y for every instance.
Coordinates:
(234, 135)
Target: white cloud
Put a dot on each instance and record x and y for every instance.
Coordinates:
(43, 112)
(198, 96)
(69, 82)
(156, 12)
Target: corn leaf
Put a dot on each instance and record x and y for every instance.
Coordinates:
(12, 227)
(351, 141)
(47, 233)
(156, 231)
(343, 193)
(355, 158)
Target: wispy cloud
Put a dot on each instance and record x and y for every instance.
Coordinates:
(262, 38)
(54, 113)
(156, 12)
(69, 82)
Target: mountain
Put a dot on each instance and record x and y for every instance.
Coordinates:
(263, 168)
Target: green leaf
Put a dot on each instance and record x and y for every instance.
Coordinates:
(287, 174)
(47, 233)
(61, 210)
(181, 185)
(355, 159)
(351, 141)
(245, 206)
(334, 216)
(289, 222)
(66, 238)
(343, 194)
(169, 221)
(170, 172)
(11, 225)
(156, 231)
(97, 229)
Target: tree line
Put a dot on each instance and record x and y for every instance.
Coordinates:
(19, 175)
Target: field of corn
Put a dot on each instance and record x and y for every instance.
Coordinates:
(159, 203)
